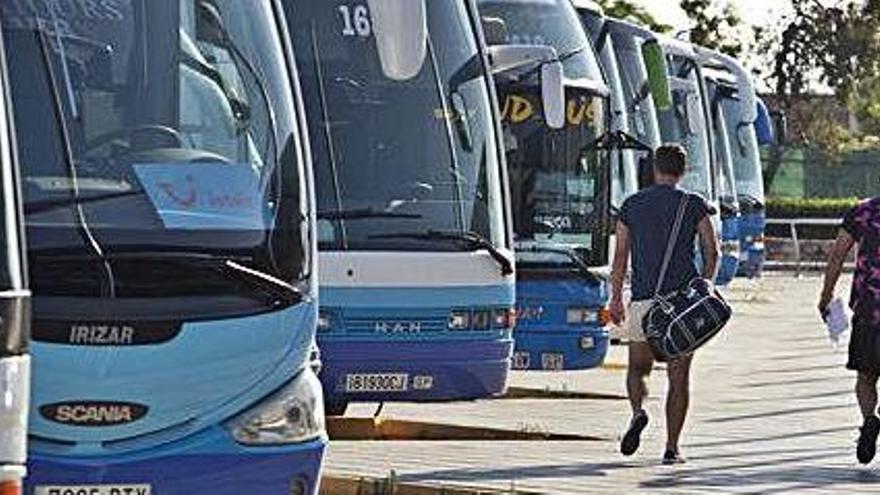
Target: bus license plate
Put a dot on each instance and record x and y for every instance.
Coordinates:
(552, 361)
(94, 490)
(376, 382)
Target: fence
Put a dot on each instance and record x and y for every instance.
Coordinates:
(799, 263)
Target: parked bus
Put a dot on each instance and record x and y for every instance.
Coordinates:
(624, 173)
(416, 259)
(685, 119)
(718, 91)
(14, 307)
(744, 120)
(629, 41)
(170, 222)
(560, 189)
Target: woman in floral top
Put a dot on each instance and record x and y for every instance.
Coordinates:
(861, 226)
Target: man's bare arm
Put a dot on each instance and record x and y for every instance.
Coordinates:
(619, 268)
(709, 243)
(836, 258)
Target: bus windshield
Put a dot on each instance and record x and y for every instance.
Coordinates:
(723, 158)
(397, 160)
(634, 79)
(547, 23)
(557, 189)
(152, 133)
(684, 122)
(745, 153)
(624, 175)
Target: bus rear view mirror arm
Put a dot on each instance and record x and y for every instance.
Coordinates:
(506, 58)
(401, 31)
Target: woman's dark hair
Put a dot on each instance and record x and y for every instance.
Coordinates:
(670, 159)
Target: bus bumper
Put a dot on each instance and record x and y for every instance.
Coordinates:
(426, 370)
(210, 462)
(561, 349)
(752, 245)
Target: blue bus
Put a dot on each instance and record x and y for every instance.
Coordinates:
(718, 91)
(744, 119)
(416, 260)
(559, 180)
(14, 307)
(170, 226)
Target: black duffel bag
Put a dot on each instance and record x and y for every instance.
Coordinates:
(679, 323)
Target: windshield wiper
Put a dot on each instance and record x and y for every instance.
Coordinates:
(470, 240)
(47, 205)
(582, 267)
(281, 292)
(363, 213)
(618, 140)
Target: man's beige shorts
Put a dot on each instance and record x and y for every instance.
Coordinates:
(631, 329)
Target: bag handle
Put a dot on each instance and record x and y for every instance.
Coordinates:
(673, 240)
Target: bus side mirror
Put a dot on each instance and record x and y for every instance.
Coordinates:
(401, 31)
(658, 74)
(505, 58)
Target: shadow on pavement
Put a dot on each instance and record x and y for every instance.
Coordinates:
(518, 473)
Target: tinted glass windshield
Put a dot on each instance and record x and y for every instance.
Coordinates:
(744, 151)
(558, 193)
(160, 126)
(634, 79)
(624, 175)
(397, 156)
(547, 22)
(723, 159)
(684, 122)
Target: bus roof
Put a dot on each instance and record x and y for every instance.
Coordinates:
(588, 5)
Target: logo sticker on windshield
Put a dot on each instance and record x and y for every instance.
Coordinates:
(203, 196)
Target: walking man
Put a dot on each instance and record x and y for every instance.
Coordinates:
(861, 226)
(643, 233)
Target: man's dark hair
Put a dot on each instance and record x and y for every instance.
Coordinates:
(670, 159)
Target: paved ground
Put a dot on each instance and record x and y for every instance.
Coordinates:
(772, 412)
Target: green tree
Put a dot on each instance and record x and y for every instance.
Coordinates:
(624, 9)
(715, 26)
(837, 48)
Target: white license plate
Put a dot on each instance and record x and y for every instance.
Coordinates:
(376, 382)
(520, 361)
(94, 490)
(552, 361)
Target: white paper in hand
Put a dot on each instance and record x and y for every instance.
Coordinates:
(837, 320)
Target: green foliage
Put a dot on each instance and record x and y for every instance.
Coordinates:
(625, 9)
(715, 26)
(809, 207)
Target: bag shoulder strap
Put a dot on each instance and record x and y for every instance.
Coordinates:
(673, 240)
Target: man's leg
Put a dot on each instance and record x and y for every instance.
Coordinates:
(641, 361)
(677, 400)
(866, 393)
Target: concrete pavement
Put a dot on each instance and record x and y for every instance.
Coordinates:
(772, 412)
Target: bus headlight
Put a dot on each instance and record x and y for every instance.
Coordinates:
(587, 316)
(459, 320)
(323, 321)
(292, 415)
